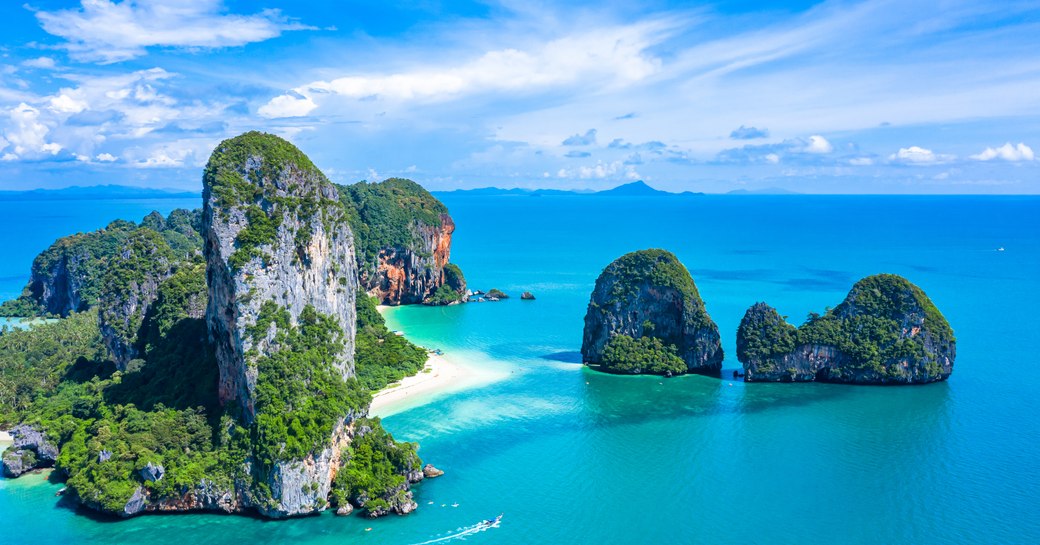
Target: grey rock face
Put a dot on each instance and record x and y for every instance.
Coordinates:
(308, 259)
(136, 504)
(29, 450)
(301, 487)
(153, 472)
(649, 293)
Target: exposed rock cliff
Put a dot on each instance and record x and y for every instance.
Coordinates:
(280, 258)
(274, 232)
(886, 331)
(30, 450)
(403, 238)
(645, 306)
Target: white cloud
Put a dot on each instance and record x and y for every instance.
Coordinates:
(1007, 152)
(40, 62)
(288, 105)
(106, 157)
(108, 31)
(65, 103)
(586, 139)
(818, 144)
(772, 158)
(604, 58)
(27, 134)
(915, 155)
(861, 161)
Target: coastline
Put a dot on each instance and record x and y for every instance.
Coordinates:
(442, 374)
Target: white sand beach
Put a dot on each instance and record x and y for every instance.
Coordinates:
(443, 374)
(5, 439)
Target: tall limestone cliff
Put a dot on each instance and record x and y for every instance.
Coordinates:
(403, 240)
(282, 283)
(886, 331)
(646, 316)
(274, 233)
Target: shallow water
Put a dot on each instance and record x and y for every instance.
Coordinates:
(570, 455)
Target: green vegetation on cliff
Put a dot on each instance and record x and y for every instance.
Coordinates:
(653, 266)
(242, 173)
(867, 326)
(300, 394)
(763, 334)
(383, 214)
(623, 354)
(374, 475)
(886, 330)
(70, 275)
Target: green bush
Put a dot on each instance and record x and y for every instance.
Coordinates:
(623, 354)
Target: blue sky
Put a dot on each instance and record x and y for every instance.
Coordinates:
(816, 97)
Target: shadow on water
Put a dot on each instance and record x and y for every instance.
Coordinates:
(566, 357)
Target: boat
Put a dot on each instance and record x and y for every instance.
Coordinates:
(1001, 249)
(490, 523)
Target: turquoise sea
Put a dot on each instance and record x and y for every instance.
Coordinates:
(572, 456)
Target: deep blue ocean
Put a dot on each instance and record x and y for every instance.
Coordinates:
(573, 456)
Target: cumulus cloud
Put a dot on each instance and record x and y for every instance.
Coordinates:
(288, 105)
(915, 155)
(586, 139)
(1007, 152)
(605, 57)
(105, 157)
(818, 144)
(748, 133)
(108, 31)
(26, 135)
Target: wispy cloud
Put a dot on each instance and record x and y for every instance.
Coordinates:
(586, 139)
(606, 57)
(110, 31)
(748, 133)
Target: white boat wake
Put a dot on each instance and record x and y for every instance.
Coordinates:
(461, 533)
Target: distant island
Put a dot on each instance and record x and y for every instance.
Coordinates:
(98, 192)
(633, 189)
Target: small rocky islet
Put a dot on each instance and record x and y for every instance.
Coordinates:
(886, 331)
(222, 359)
(645, 316)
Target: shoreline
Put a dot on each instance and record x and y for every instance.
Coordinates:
(443, 374)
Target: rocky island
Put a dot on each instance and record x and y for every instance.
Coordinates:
(646, 316)
(224, 359)
(886, 331)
